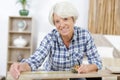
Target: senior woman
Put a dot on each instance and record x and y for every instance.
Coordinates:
(65, 46)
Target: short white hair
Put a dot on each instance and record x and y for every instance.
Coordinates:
(64, 10)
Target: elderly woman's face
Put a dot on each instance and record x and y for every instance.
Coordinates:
(64, 25)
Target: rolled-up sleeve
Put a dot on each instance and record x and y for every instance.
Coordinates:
(92, 53)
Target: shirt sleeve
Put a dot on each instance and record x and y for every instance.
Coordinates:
(92, 53)
(38, 57)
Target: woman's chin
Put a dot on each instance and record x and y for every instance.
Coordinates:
(65, 34)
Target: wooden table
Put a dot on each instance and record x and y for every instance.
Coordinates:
(65, 75)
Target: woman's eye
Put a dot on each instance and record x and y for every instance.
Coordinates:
(65, 19)
(56, 21)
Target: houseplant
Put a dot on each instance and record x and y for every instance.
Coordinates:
(24, 4)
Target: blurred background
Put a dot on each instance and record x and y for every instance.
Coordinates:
(100, 17)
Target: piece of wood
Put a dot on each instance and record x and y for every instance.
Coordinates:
(61, 75)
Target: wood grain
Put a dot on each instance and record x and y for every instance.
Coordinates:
(104, 17)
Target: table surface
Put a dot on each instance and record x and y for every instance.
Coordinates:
(61, 74)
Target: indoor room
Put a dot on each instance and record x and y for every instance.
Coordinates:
(32, 31)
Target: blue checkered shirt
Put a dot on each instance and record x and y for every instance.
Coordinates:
(61, 58)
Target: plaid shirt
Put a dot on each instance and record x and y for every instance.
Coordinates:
(61, 58)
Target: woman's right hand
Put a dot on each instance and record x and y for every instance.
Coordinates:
(17, 68)
(15, 71)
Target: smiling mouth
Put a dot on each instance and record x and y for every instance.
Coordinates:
(64, 30)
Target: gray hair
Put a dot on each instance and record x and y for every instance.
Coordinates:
(64, 10)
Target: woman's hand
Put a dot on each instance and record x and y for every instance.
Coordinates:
(17, 68)
(14, 70)
(85, 68)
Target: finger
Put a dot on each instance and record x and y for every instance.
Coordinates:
(17, 71)
(82, 69)
(13, 73)
(21, 68)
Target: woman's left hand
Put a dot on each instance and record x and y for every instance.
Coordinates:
(85, 68)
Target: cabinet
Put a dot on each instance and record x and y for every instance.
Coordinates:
(19, 39)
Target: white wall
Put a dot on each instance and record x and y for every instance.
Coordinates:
(39, 11)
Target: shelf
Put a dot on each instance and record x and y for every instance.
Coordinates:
(24, 32)
(10, 62)
(20, 29)
(14, 47)
(21, 17)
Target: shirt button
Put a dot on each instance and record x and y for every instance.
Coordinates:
(68, 58)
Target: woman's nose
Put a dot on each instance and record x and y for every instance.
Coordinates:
(62, 24)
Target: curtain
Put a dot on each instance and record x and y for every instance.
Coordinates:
(104, 17)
